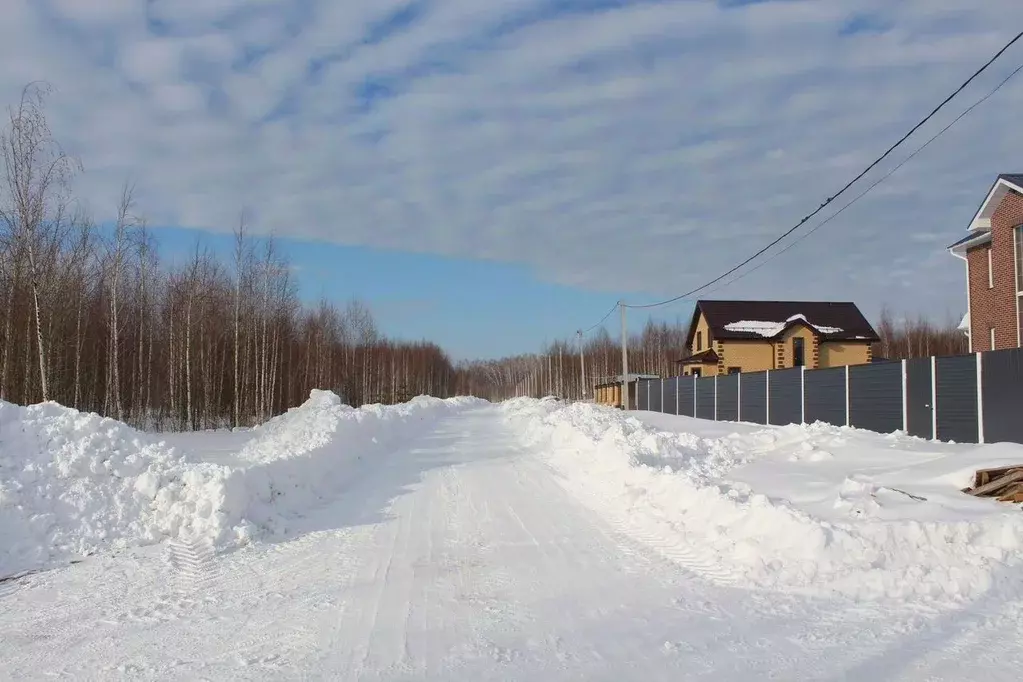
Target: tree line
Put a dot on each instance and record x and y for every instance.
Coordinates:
(557, 369)
(93, 319)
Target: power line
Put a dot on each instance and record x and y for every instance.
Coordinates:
(606, 315)
(875, 183)
(849, 184)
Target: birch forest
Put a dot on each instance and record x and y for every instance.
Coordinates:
(93, 319)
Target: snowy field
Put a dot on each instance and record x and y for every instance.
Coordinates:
(458, 540)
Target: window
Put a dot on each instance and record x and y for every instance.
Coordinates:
(1018, 239)
(992, 347)
(990, 271)
(734, 370)
(699, 341)
(695, 371)
(798, 356)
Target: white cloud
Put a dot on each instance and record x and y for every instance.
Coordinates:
(642, 148)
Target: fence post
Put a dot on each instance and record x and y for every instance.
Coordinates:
(738, 397)
(767, 395)
(678, 385)
(662, 408)
(848, 412)
(802, 394)
(694, 397)
(715, 397)
(980, 398)
(647, 393)
(905, 398)
(934, 398)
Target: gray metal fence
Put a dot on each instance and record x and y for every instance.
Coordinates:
(974, 398)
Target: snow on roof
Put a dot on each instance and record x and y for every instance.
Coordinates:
(770, 329)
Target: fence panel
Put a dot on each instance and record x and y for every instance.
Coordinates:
(642, 393)
(655, 395)
(753, 396)
(786, 389)
(705, 398)
(728, 397)
(825, 396)
(956, 387)
(919, 407)
(670, 405)
(687, 396)
(875, 396)
(1002, 375)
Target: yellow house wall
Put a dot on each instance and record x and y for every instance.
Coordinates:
(705, 370)
(704, 329)
(798, 331)
(838, 354)
(751, 356)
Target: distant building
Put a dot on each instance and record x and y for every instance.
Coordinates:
(608, 391)
(993, 252)
(726, 337)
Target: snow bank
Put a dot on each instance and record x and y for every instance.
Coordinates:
(812, 509)
(72, 483)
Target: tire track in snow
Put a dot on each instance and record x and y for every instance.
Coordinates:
(651, 532)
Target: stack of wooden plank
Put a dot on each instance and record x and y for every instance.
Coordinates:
(1005, 483)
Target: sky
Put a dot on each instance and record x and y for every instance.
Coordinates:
(493, 174)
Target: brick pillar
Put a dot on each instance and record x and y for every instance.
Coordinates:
(779, 355)
(720, 350)
(815, 352)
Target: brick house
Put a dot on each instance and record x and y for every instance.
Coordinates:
(726, 337)
(992, 250)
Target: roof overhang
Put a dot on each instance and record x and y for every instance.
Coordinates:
(1002, 186)
(960, 248)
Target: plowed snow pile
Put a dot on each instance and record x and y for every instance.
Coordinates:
(72, 483)
(815, 509)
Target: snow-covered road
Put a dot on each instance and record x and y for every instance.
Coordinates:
(461, 556)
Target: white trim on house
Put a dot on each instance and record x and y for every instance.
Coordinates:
(1015, 280)
(982, 220)
(969, 306)
(959, 250)
(990, 267)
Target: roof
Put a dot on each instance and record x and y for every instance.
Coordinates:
(1004, 183)
(759, 320)
(968, 238)
(705, 357)
(617, 379)
(974, 239)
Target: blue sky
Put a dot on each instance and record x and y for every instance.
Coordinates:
(475, 309)
(493, 174)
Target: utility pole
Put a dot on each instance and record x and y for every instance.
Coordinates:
(582, 366)
(625, 360)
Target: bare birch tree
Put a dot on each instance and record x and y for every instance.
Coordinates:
(37, 176)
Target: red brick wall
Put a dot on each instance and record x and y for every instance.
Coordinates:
(996, 307)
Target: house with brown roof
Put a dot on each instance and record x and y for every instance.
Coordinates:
(993, 252)
(726, 337)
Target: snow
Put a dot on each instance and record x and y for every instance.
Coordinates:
(529, 540)
(816, 509)
(73, 483)
(771, 329)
